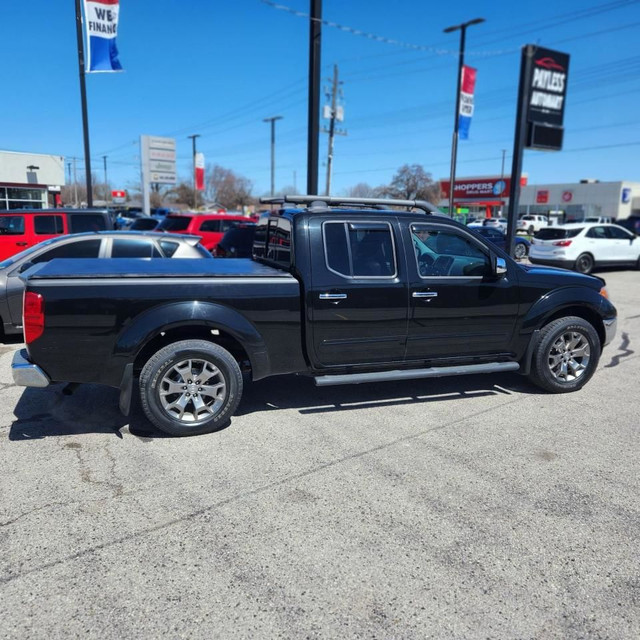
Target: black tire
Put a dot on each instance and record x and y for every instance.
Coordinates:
(584, 263)
(203, 410)
(520, 250)
(548, 359)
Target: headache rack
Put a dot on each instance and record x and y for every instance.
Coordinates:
(322, 203)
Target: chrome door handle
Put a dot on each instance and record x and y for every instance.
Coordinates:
(425, 294)
(333, 296)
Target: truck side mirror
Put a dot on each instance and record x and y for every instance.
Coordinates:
(499, 266)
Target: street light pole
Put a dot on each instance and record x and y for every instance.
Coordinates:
(273, 149)
(454, 143)
(195, 193)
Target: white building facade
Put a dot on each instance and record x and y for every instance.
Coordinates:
(576, 201)
(30, 180)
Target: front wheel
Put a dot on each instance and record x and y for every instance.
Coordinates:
(584, 263)
(566, 356)
(190, 387)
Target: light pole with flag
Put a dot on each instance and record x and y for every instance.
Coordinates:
(463, 118)
(101, 21)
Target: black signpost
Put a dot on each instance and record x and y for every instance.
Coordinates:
(542, 92)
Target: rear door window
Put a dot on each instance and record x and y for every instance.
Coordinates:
(360, 249)
(134, 248)
(212, 226)
(48, 225)
(179, 223)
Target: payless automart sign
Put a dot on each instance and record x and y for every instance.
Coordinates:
(548, 87)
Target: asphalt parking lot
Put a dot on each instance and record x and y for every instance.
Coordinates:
(471, 507)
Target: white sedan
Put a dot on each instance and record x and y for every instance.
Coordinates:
(583, 246)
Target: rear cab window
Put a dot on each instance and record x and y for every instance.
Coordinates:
(360, 249)
(273, 240)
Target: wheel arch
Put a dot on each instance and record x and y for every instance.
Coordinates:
(192, 320)
(577, 301)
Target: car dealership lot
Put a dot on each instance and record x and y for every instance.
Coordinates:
(460, 507)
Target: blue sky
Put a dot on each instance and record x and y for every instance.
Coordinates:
(217, 68)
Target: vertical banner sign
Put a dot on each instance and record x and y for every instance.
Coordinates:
(466, 101)
(199, 178)
(101, 23)
(547, 89)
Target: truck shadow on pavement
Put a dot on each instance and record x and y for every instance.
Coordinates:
(43, 413)
(300, 392)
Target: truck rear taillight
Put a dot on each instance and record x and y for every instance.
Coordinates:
(562, 243)
(32, 316)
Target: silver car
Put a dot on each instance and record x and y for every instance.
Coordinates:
(103, 244)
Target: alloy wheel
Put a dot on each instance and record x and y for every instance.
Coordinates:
(569, 356)
(191, 391)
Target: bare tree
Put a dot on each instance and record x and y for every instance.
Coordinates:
(361, 190)
(412, 182)
(230, 190)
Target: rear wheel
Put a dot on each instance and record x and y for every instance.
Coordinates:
(584, 263)
(190, 387)
(566, 356)
(520, 250)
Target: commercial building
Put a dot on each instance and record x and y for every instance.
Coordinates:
(30, 180)
(563, 202)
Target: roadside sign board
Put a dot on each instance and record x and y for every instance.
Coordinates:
(158, 159)
(118, 197)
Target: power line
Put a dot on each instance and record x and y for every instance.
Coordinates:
(370, 36)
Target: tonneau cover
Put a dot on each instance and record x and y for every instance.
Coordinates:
(152, 268)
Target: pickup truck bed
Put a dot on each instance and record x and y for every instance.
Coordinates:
(102, 311)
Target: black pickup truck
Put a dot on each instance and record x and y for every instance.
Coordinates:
(345, 291)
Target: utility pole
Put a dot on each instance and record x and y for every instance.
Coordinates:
(75, 184)
(195, 193)
(315, 39)
(504, 151)
(332, 131)
(454, 143)
(83, 99)
(272, 120)
(104, 160)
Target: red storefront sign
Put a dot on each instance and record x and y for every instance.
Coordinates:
(567, 196)
(542, 196)
(488, 187)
